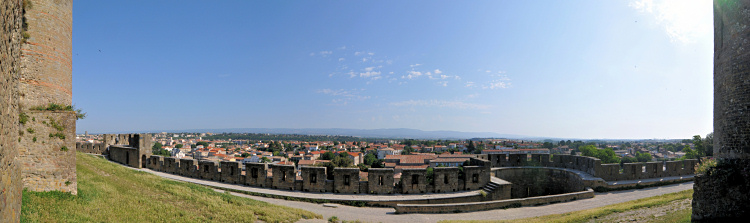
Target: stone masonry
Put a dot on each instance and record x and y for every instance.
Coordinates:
(46, 73)
(314, 179)
(283, 176)
(380, 180)
(346, 180)
(414, 181)
(256, 174)
(10, 53)
(445, 179)
(721, 194)
(47, 151)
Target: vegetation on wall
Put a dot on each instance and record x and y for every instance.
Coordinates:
(57, 107)
(25, 26)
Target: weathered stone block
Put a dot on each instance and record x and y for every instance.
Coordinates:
(380, 180)
(313, 179)
(346, 180)
(283, 176)
(188, 167)
(230, 172)
(255, 174)
(414, 181)
(208, 170)
(445, 179)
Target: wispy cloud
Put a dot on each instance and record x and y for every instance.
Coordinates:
(343, 96)
(497, 84)
(325, 53)
(683, 21)
(439, 104)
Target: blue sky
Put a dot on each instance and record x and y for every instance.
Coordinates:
(569, 69)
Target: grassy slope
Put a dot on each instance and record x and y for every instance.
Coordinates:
(108, 192)
(585, 215)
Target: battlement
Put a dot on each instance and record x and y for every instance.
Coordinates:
(594, 166)
(309, 179)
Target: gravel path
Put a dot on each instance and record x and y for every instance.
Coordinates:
(370, 214)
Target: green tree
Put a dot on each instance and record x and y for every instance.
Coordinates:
(202, 143)
(370, 159)
(698, 143)
(643, 157)
(265, 160)
(178, 146)
(342, 162)
(606, 155)
(245, 155)
(326, 156)
(708, 144)
(689, 153)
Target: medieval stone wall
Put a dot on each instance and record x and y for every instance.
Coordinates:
(532, 182)
(380, 180)
(48, 152)
(594, 166)
(10, 53)
(720, 194)
(46, 71)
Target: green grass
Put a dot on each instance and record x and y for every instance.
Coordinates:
(585, 215)
(108, 192)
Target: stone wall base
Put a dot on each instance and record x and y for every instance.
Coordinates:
(723, 194)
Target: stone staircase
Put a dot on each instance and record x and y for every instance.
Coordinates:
(494, 189)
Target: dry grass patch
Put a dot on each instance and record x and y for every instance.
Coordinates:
(109, 192)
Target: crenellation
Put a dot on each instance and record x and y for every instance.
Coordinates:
(208, 170)
(283, 176)
(230, 172)
(445, 179)
(171, 165)
(314, 179)
(256, 174)
(346, 180)
(188, 167)
(414, 181)
(380, 180)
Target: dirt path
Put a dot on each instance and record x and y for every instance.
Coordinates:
(369, 214)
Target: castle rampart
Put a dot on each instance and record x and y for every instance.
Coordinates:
(594, 166)
(11, 180)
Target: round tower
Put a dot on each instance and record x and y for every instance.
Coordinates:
(46, 67)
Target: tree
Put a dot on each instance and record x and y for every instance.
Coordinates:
(265, 160)
(605, 155)
(202, 143)
(698, 143)
(342, 162)
(326, 156)
(370, 159)
(178, 146)
(643, 157)
(689, 153)
(708, 144)
(245, 155)
(548, 145)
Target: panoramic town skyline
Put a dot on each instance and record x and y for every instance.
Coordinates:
(588, 69)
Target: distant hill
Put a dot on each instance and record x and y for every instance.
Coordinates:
(402, 133)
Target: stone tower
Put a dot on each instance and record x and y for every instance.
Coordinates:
(47, 137)
(10, 54)
(46, 70)
(722, 193)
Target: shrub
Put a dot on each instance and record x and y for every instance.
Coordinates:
(58, 135)
(23, 118)
(706, 164)
(64, 148)
(30, 130)
(333, 219)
